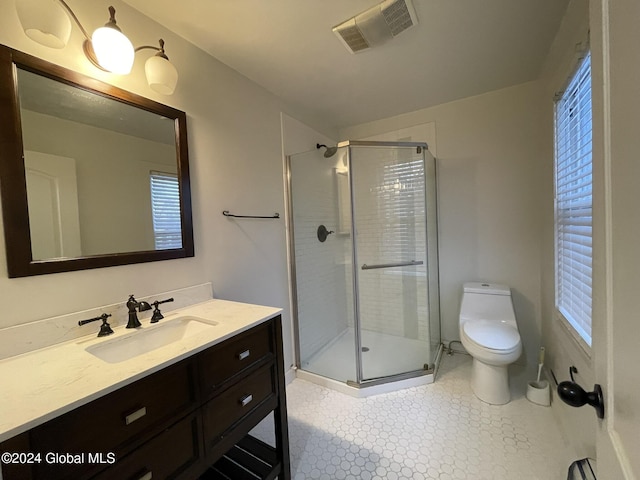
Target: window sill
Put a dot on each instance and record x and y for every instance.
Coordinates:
(573, 335)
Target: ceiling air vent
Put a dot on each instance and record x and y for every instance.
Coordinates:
(376, 25)
(351, 36)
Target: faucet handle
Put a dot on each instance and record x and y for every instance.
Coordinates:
(157, 314)
(105, 328)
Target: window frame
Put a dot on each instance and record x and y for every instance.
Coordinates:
(574, 87)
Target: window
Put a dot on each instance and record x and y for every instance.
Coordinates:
(165, 208)
(573, 201)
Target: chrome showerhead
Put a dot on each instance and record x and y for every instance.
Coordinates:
(330, 152)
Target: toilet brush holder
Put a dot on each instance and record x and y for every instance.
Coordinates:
(539, 393)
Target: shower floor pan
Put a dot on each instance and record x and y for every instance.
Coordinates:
(387, 355)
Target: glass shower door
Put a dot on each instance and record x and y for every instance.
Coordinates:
(390, 220)
(319, 197)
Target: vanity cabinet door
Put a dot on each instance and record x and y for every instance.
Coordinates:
(222, 363)
(116, 422)
(168, 456)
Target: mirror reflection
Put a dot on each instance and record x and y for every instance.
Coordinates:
(102, 175)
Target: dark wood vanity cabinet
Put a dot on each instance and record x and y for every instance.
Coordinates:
(117, 423)
(188, 421)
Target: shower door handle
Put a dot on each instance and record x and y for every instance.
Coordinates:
(389, 265)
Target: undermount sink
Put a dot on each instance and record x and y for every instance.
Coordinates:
(147, 339)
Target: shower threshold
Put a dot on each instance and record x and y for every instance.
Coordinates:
(371, 382)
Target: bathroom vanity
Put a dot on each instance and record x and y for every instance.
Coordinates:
(182, 411)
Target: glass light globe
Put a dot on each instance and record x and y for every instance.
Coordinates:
(113, 50)
(161, 75)
(44, 22)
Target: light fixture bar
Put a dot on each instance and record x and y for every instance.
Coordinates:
(160, 49)
(75, 19)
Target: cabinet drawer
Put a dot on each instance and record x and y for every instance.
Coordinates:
(234, 403)
(165, 456)
(222, 362)
(117, 421)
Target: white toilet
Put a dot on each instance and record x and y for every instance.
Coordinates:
(489, 333)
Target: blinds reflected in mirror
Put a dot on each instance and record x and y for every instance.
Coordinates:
(165, 208)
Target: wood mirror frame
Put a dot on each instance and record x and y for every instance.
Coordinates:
(13, 189)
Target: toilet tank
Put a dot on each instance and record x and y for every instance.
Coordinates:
(486, 288)
(487, 301)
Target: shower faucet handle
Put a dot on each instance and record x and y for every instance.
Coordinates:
(323, 233)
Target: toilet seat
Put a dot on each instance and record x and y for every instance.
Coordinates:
(493, 336)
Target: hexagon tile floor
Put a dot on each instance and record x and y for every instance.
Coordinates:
(438, 431)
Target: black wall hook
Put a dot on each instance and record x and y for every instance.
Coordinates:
(573, 394)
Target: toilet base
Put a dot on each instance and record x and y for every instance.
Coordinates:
(490, 383)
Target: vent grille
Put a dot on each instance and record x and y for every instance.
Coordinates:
(397, 17)
(376, 25)
(353, 38)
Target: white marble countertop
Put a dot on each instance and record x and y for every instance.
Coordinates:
(43, 384)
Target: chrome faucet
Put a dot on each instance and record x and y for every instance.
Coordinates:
(134, 306)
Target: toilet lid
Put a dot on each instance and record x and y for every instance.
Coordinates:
(493, 335)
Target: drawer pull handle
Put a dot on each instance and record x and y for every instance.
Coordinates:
(246, 400)
(243, 355)
(147, 476)
(132, 417)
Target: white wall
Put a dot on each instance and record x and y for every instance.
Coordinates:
(616, 69)
(235, 148)
(562, 350)
(489, 194)
(625, 118)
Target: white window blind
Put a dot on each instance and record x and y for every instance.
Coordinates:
(165, 207)
(402, 209)
(573, 201)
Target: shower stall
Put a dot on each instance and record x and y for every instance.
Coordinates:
(364, 265)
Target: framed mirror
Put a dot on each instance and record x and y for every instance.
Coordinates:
(90, 175)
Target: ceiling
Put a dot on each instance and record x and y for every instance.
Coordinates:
(458, 49)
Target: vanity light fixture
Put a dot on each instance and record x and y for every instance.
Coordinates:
(48, 23)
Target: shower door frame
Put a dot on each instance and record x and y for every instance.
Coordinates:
(359, 382)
